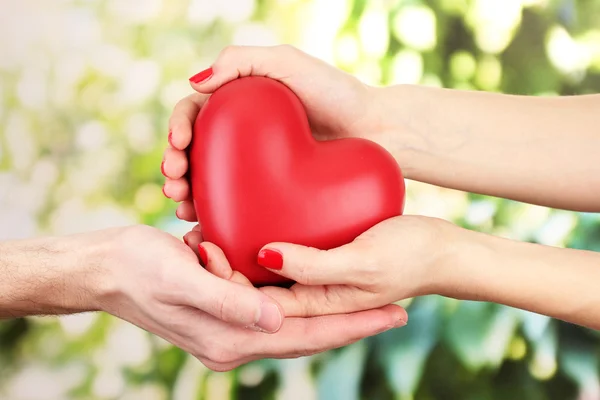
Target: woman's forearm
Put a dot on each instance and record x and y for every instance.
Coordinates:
(561, 283)
(44, 276)
(540, 150)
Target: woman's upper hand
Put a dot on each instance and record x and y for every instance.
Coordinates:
(399, 258)
(337, 104)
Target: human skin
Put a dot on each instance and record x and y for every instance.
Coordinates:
(536, 150)
(153, 280)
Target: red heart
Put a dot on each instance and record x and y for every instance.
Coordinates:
(258, 176)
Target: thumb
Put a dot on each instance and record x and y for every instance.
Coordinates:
(236, 303)
(277, 62)
(311, 266)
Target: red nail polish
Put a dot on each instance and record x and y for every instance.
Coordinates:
(185, 241)
(272, 259)
(203, 255)
(165, 193)
(162, 168)
(202, 76)
(170, 138)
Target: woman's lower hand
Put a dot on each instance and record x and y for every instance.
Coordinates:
(399, 258)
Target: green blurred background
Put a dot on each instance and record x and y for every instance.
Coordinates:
(86, 89)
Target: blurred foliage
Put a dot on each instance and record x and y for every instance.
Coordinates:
(86, 91)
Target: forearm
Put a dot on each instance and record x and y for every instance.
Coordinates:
(561, 283)
(45, 276)
(540, 150)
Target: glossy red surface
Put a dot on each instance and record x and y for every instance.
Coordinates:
(258, 176)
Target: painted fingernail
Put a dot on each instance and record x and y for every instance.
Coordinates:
(202, 76)
(270, 318)
(268, 258)
(203, 255)
(165, 193)
(170, 138)
(185, 241)
(162, 168)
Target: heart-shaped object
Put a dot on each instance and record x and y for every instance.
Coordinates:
(258, 176)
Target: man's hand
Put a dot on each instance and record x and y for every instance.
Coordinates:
(153, 280)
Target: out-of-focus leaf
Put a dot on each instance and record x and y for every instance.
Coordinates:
(578, 358)
(479, 333)
(581, 365)
(340, 378)
(534, 324)
(403, 351)
(543, 362)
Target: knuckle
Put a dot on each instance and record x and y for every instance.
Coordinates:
(228, 52)
(226, 306)
(230, 308)
(303, 352)
(216, 367)
(370, 272)
(178, 106)
(218, 354)
(303, 271)
(286, 49)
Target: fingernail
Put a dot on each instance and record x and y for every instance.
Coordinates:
(165, 193)
(202, 76)
(399, 323)
(203, 255)
(270, 318)
(272, 259)
(185, 241)
(162, 168)
(170, 138)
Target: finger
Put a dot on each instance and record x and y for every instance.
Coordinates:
(183, 118)
(214, 260)
(306, 336)
(314, 300)
(238, 277)
(175, 163)
(193, 239)
(186, 211)
(217, 264)
(230, 302)
(233, 62)
(176, 189)
(311, 266)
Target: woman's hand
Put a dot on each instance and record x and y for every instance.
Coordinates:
(337, 104)
(409, 256)
(402, 257)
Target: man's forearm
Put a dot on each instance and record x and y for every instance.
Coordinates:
(44, 276)
(537, 150)
(561, 283)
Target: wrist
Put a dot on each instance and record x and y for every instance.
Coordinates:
(395, 117)
(469, 257)
(44, 276)
(452, 270)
